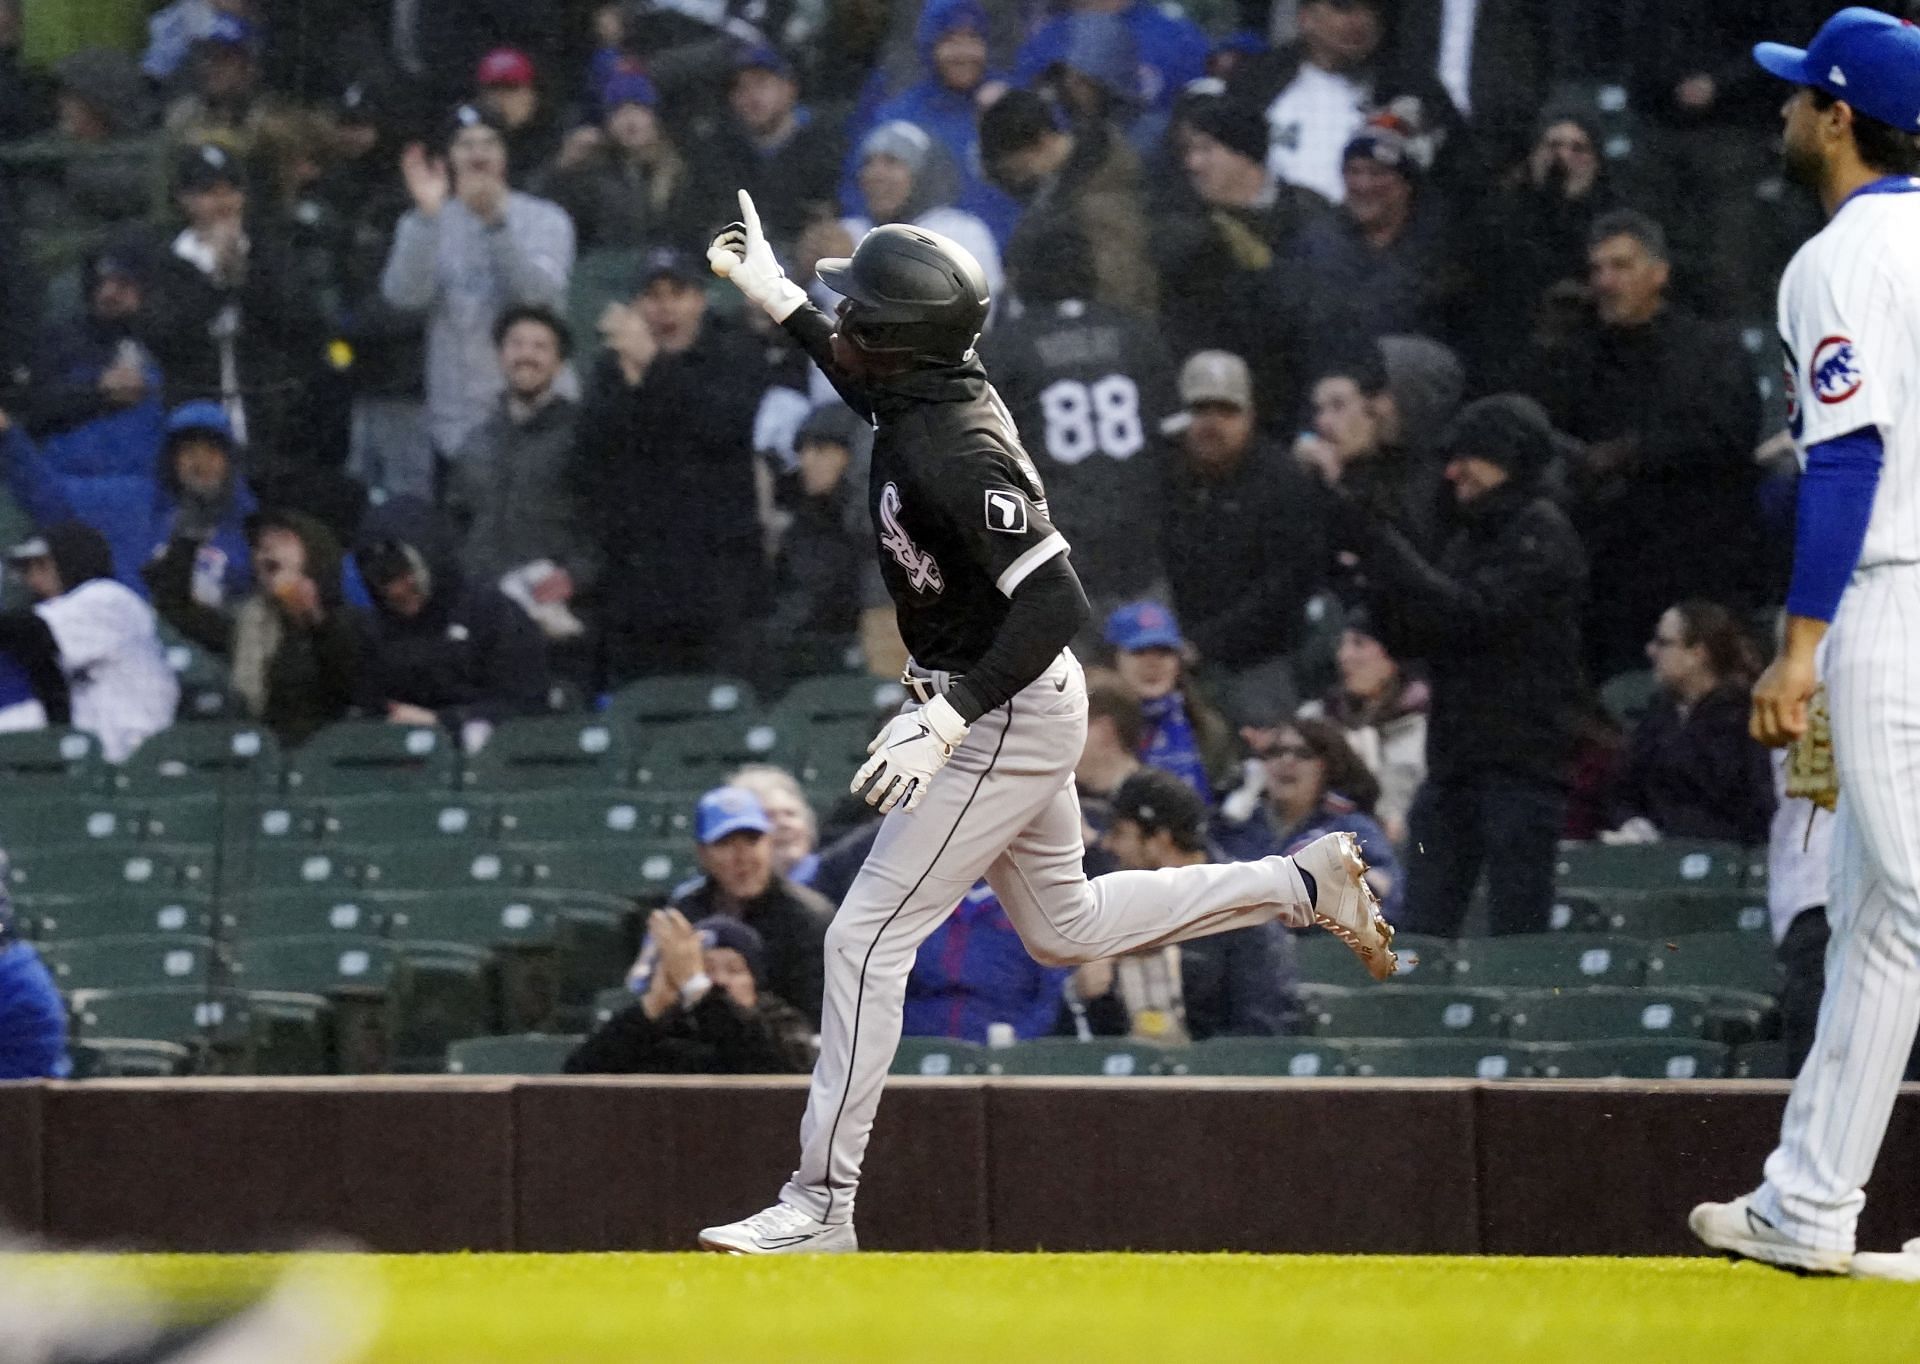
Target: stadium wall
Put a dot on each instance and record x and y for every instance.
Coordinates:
(458, 1163)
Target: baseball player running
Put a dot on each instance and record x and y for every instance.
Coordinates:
(977, 778)
(1850, 322)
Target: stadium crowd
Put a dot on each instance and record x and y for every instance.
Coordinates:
(1400, 371)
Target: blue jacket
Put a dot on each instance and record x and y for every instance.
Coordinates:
(973, 971)
(33, 1017)
(1261, 837)
(1171, 52)
(226, 555)
(951, 118)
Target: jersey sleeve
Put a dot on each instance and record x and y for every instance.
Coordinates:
(1843, 334)
(999, 511)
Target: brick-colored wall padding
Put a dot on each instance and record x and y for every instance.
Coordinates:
(616, 1165)
(395, 1164)
(1232, 1165)
(21, 1208)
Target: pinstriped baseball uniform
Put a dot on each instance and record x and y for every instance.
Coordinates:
(1850, 325)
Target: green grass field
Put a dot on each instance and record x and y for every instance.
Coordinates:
(477, 1309)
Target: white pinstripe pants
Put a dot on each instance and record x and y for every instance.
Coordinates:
(1003, 808)
(1841, 1101)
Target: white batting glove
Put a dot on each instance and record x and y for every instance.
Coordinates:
(907, 753)
(740, 253)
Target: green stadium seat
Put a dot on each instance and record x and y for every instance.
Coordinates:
(1551, 959)
(1734, 961)
(663, 700)
(126, 913)
(1736, 1017)
(1760, 1061)
(1404, 1011)
(938, 1056)
(1626, 696)
(1632, 1058)
(446, 864)
(60, 820)
(129, 1059)
(832, 752)
(134, 962)
(206, 690)
(186, 1014)
(81, 871)
(1465, 1058)
(1606, 1012)
(524, 1054)
(552, 751)
(1297, 1057)
(610, 1001)
(1581, 911)
(695, 755)
(1664, 914)
(200, 821)
(1111, 1057)
(292, 866)
(481, 918)
(641, 871)
(312, 911)
(368, 756)
(847, 697)
(315, 964)
(1324, 959)
(1667, 865)
(593, 815)
(405, 817)
(54, 761)
(278, 819)
(196, 756)
(288, 1033)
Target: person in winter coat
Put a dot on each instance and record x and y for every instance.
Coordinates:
(292, 646)
(1383, 713)
(438, 649)
(974, 973)
(1692, 770)
(703, 1010)
(822, 571)
(200, 512)
(623, 180)
(103, 639)
(1495, 616)
(905, 178)
(1180, 733)
(951, 38)
(33, 1016)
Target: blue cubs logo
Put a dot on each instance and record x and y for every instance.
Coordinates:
(1834, 375)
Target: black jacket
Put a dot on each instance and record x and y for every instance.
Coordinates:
(820, 581)
(1243, 553)
(1496, 618)
(792, 921)
(714, 1037)
(1698, 775)
(1507, 76)
(667, 468)
(470, 654)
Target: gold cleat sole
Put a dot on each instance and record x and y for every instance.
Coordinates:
(1378, 958)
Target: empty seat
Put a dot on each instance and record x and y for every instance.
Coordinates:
(1633, 1058)
(694, 755)
(610, 1001)
(1296, 1057)
(291, 866)
(52, 761)
(288, 1033)
(1464, 1058)
(445, 864)
(1602, 1012)
(126, 1058)
(125, 913)
(843, 696)
(63, 820)
(939, 1056)
(1324, 959)
(1067, 1056)
(364, 756)
(523, 1054)
(1737, 961)
(197, 820)
(132, 962)
(1760, 1061)
(647, 870)
(663, 700)
(1550, 959)
(552, 750)
(592, 815)
(1663, 914)
(304, 911)
(405, 817)
(317, 964)
(199, 755)
(284, 819)
(82, 871)
(1405, 1011)
(1652, 866)
(187, 1014)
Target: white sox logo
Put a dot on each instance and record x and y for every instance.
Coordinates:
(923, 574)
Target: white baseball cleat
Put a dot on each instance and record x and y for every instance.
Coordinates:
(780, 1230)
(1898, 1266)
(1737, 1230)
(1344, 903)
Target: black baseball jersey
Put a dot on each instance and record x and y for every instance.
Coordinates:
(958, 507)
(1088, 387)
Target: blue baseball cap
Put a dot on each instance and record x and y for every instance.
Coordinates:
(763, 57)
(201, 415)
(729, 810)
(1143, 625)
(228, 30)
(1869, 59)
(627, 87)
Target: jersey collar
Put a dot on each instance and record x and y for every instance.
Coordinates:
(1886, 184)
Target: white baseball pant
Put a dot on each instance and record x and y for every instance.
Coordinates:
(1841, 1101)
(1003, 807)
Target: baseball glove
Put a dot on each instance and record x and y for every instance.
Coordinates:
(1810, 771)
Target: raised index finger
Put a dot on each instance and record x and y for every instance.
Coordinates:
(749, 215)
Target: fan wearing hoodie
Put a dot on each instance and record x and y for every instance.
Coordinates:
(438, 649)
(104, 639)
(905, 177)
(201, 505)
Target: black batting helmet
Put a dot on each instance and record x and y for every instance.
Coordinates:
(909, 291)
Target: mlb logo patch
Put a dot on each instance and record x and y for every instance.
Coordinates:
(1006, 512)
(1834, 375)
